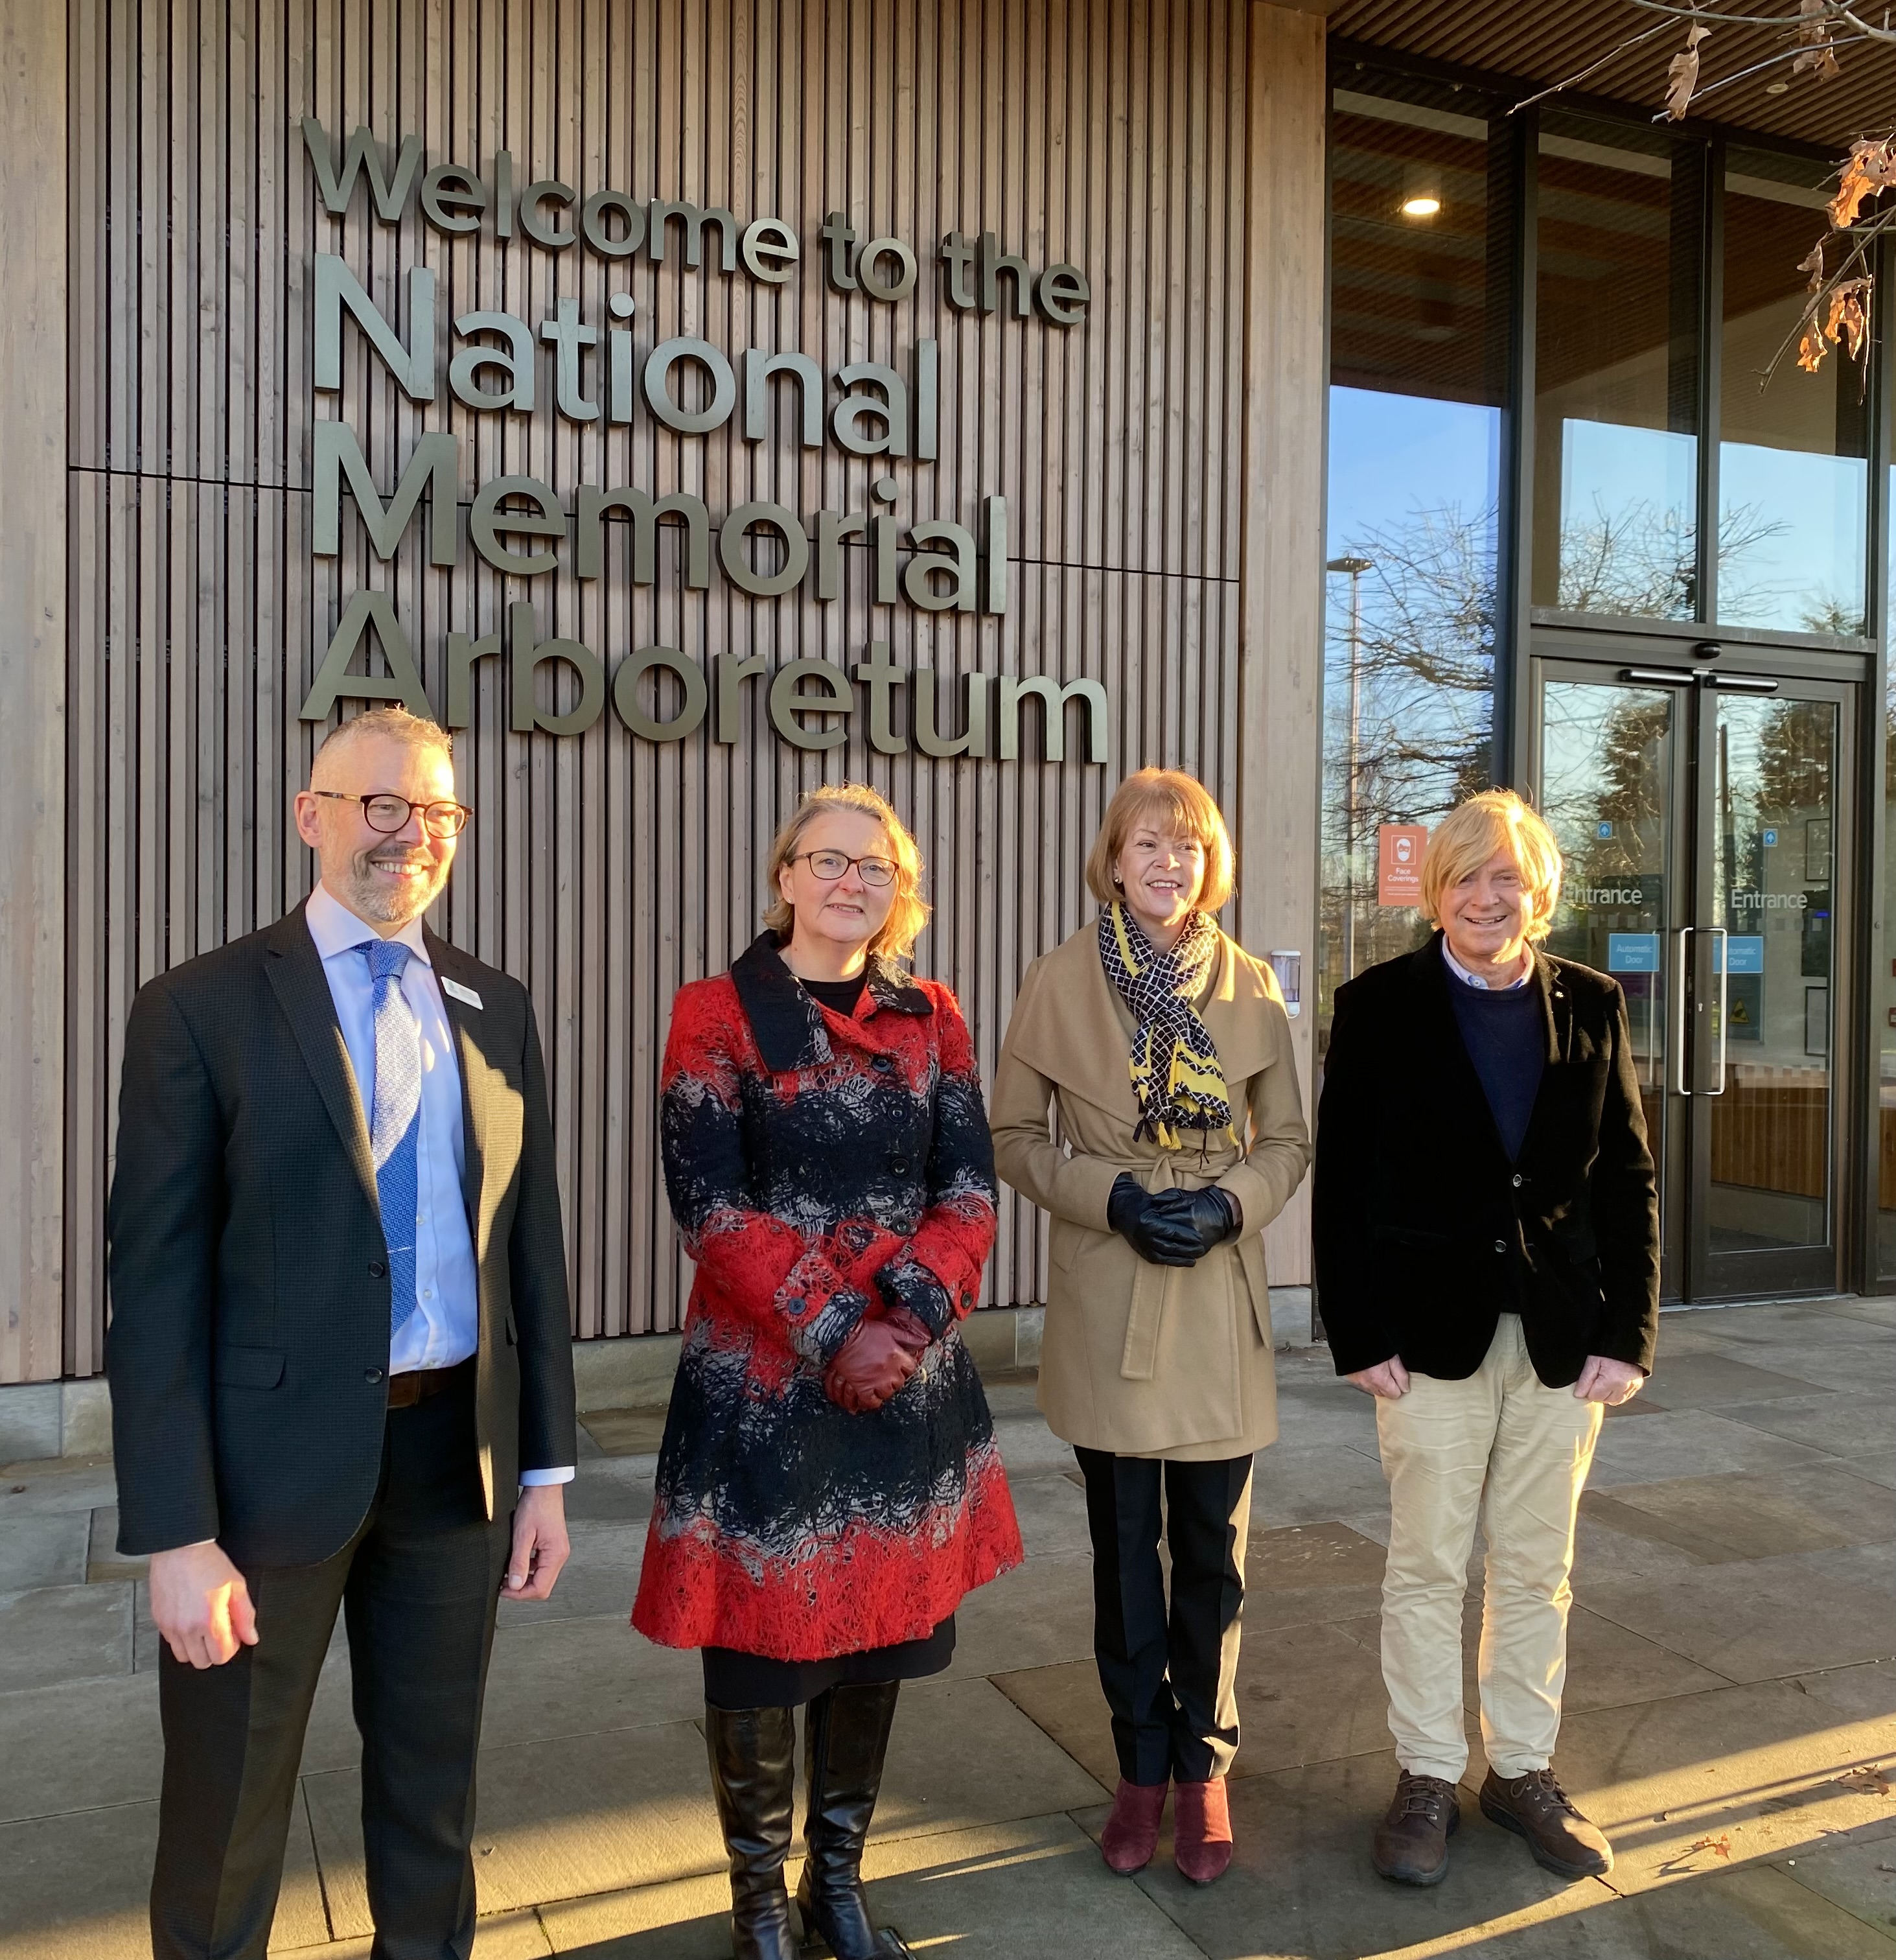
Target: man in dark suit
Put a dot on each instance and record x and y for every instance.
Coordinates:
(1487, 1238)
(340, 1366)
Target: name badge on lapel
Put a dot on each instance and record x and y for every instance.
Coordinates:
(459, 992)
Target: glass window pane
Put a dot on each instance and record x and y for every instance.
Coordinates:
(1792, 461)
(1417, 362)
(1774, 842)
(1616, 370)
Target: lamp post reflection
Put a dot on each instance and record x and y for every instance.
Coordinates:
(1355, 567)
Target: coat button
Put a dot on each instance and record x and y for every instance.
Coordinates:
(377, 1270)
(1517, 1180)
(900, 1166)
(1500, 1244)
(884, 1062)
(372, 1374)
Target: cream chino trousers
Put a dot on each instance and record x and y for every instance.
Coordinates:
(1502, 1447)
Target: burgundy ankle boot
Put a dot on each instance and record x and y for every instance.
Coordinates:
(1202, 1831)
(1131, 1835)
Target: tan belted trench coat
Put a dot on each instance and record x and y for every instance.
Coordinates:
(1137, 1359)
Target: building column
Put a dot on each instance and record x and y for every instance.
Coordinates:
(1281, 648)
(32, 687)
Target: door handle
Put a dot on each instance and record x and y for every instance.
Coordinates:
(1676, 1006)
(1724, 991)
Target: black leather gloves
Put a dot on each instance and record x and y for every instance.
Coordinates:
(1212, 1214)
(1172, 1228)
(1159, 1237)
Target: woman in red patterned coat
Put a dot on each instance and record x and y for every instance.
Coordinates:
(829, 1487)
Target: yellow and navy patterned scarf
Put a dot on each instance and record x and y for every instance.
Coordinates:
(1176, 1074)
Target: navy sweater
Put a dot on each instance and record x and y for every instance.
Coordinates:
(1505, 1034)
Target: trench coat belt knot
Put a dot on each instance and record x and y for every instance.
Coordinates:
(1155, 1288)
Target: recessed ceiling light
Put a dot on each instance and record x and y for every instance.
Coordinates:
(1778, 88)
(1421, 207)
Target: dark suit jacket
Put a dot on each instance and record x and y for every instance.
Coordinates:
(248, 1347)
(1426, 1232)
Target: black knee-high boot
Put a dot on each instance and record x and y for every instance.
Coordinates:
(846, 1737)
(753, 1755)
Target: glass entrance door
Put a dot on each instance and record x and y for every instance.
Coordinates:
(1697, 811)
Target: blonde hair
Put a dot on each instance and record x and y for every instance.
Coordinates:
(1472, 832)
(1169, 800)
(908, 912)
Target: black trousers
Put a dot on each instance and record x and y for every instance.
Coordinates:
(1169, 1676)
(417, 1586)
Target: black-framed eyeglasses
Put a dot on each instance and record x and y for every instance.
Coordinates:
(388, 814)
(829, 866)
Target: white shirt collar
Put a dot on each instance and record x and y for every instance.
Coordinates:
(335, 929)
(1461, 972)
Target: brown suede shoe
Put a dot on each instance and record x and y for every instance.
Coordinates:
(1411, 1842)
(1534, 1806)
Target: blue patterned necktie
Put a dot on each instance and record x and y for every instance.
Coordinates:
(395, 1126)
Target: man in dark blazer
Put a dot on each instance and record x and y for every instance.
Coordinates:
(340, 1366)
(1487, 1239)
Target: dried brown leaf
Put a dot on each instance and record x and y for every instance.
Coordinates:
(1681, 76)
(1873, 1781)
(1867, 172)
(1719, 1847)
(1810, 348)
(1816, 56)
(1812, 262)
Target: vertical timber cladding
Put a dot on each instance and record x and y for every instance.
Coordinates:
(603, 866)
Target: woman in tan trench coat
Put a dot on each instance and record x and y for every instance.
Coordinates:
(1180, 1136)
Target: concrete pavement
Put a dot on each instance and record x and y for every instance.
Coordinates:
(1731, 1711)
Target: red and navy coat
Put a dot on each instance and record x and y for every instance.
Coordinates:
(822, 1167)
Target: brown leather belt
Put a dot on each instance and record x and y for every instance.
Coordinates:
(418, 1384)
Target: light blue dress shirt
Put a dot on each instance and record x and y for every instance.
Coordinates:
(444, 1328)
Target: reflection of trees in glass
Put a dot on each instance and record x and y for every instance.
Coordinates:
(1424, 658)
(1605, 760)
(1641, 561)
(1794, 761)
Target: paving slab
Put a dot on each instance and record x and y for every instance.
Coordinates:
(574, 1677)
(1611, 1544)
(64, 1632)
(1800, 1322)
(1833, 1420)
(618, 1489)
(49, 1549)
(1809, 1508)
(625, 1432)
(1861, 1878)
(77, 1887)
(1051, 1512)
(1708, 1381)
(1034, 1888)
(1755, 1618)
(1305, 1695)
(80, 1745)
(65, 1483)
(104, 1561)
(1753, 1914)
(1040, 1613)
(1304, 1484)
(1847, 1365)
(1331, 1411)
(1878, 1466)
(1296, 1575)
(1879, 1312)
(1029, 1448)
(1688, 1442)
(1300, 1882)
(556, 1820)
(501, 1935)
(1700, 1783)
(599, 1578)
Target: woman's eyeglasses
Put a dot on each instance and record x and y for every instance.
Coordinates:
(388, 814)
(829, 866)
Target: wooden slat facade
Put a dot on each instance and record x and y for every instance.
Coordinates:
(1161, 462)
